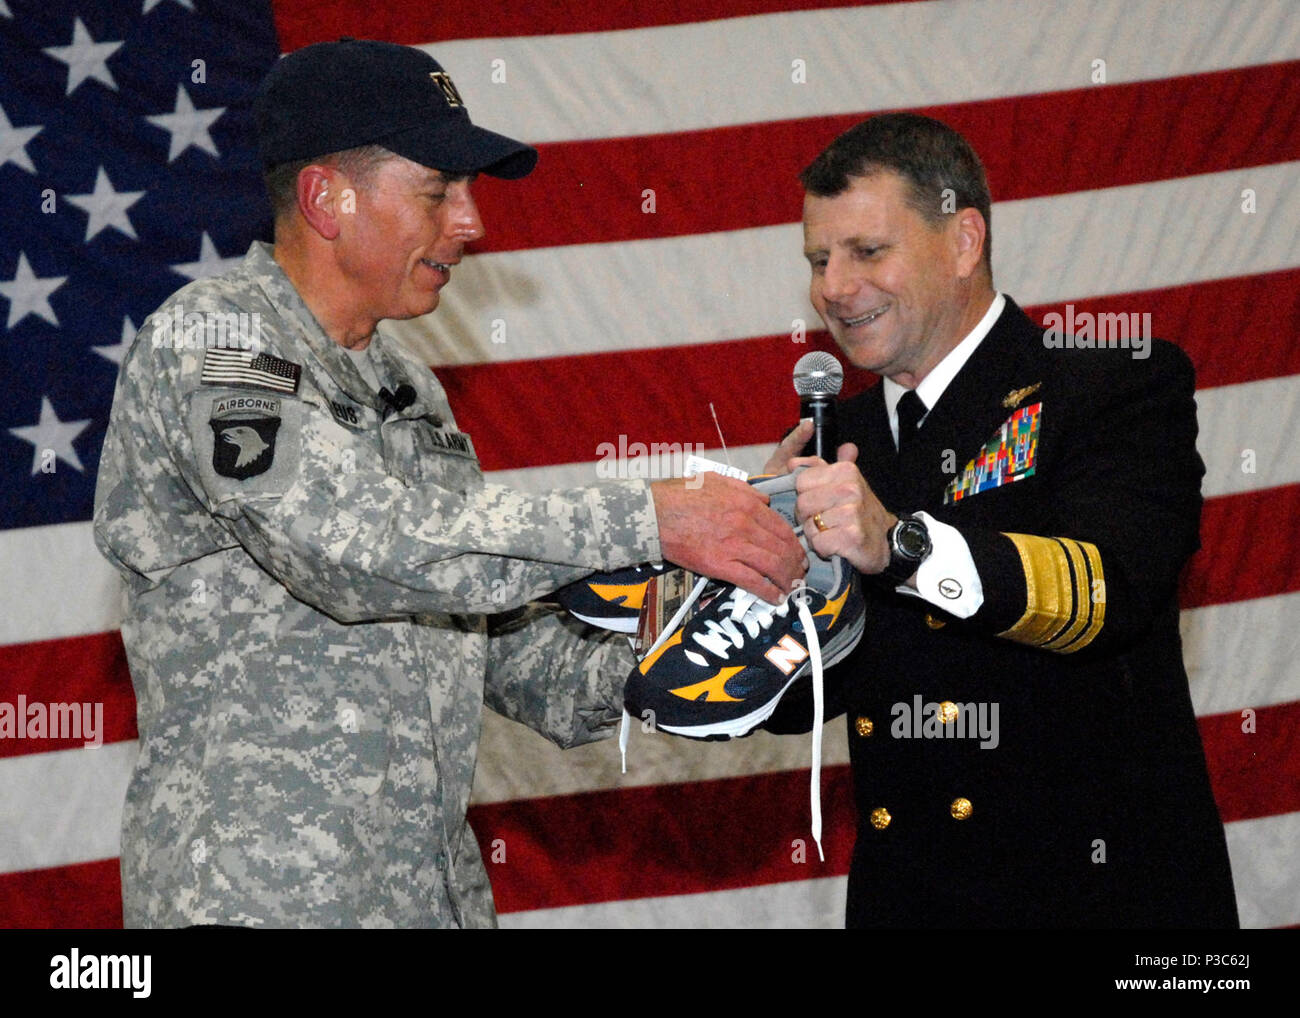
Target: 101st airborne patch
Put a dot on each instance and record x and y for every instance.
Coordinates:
(243, 431)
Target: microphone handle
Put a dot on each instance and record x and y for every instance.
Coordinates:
(826, 436)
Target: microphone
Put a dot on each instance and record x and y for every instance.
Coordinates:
(399, 400)
(818, 379)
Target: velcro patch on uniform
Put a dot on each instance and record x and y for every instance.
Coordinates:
(1010, 455)
(348, 414)
(456, 442)
(244, 430)
(246, 444)
(244, 368)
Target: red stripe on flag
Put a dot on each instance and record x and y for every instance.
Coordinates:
(663, 395)
(738, 177)
(1248, 548)
(75, 670)
(299, 24)
(86, 896)
(1193, 316)
(663, 839)
(1256, 772)
(625, 397)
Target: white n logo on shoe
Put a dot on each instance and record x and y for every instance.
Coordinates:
(787, 654)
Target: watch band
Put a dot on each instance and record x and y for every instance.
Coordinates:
(909, 546)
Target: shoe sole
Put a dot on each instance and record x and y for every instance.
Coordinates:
(628, 626)
(738, 727)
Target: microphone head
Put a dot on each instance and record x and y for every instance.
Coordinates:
(818, 374)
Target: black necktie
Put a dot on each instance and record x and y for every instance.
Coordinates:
(910, 412)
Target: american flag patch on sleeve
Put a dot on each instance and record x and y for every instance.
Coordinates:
(241, 367)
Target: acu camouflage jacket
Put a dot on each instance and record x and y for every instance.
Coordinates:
(312, 582)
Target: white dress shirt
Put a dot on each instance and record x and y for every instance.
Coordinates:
(947, 578)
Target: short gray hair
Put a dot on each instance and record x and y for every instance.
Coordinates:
(358, 163)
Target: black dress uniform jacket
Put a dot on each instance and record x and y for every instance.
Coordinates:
(1088, 802)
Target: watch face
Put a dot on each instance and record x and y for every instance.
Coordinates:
(912, 539)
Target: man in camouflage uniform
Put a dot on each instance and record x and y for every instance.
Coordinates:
(323, 591)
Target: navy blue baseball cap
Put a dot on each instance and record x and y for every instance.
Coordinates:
(333, 96)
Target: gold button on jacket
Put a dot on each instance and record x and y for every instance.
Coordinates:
(863, 726)
(961, 809)
(880, 818)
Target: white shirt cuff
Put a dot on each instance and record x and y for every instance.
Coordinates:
(947, 578)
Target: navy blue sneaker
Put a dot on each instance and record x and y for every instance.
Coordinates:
(723, 671)
(610, 600)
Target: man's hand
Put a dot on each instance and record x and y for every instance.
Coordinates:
(854, 523)
(791, 445)
(721, 527)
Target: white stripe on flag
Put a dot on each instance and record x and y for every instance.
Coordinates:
(59, 569)
(1248, 435)
(799, 904)
(63, 807)
(1264, 870)
(689, 77)
(1241, 654)
(517, 763)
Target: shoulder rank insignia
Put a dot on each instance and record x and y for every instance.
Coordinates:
(1013, 398)
(1010, 455)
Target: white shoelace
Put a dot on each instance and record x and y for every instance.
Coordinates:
(749, 611)
(719, 637)
(668, 630)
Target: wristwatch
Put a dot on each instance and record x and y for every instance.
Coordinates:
(909, 546)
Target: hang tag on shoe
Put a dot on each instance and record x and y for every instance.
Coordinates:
(664, 596)
(699, 465)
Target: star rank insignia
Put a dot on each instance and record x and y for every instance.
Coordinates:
(1014, 397)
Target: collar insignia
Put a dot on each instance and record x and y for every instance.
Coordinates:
(1014, 397)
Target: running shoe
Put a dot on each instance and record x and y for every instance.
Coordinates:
(724, 669)
(610, 600)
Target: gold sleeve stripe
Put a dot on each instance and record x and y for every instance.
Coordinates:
(1082, 605)
(1060, 574)
(1095, 595)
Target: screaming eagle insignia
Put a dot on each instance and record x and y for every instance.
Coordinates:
(243, 434)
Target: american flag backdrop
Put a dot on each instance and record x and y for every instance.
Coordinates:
(1144, 157)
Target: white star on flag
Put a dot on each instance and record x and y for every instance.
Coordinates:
(13, 143)
(188, 126)
(151, 4)
(85, 58)
(53, 434)
(116, 351)
(210, 262)
(29, 294)
(106, 207)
